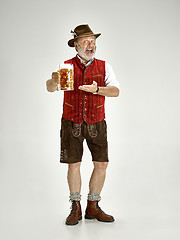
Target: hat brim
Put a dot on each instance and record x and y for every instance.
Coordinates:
(71, 41)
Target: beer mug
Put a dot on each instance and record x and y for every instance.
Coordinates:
(64, 77)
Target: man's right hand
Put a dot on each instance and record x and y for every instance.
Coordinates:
(51, 85)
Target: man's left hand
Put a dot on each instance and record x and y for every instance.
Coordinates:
(89, 88)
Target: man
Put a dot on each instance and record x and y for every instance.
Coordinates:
(83, 118)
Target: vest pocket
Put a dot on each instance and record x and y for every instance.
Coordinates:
(98, 75)
(100, 106)
(68, 104)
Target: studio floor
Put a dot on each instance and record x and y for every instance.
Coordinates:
(134, 223)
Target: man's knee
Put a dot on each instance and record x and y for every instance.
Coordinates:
(74, 166)
(100, 165)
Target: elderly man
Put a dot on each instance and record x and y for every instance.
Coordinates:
(84, 118)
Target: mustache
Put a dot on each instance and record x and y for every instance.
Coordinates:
(87, 48)
(90, 48)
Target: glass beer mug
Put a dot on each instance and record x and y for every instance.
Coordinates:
(64, 77)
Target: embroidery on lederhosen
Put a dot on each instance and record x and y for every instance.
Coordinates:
(92, 130)
(76, 131)
(64, 155)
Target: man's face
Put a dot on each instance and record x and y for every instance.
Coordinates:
(86, 47)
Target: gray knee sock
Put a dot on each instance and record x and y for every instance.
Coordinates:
(94, 196)
(75, 196)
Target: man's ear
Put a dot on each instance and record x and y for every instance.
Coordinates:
(76, 46)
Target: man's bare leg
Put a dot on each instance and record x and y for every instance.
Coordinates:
(74, 177)
(74, 182)
(93, 211)
(98, 177)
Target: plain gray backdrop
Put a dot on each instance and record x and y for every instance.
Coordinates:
(140, 39)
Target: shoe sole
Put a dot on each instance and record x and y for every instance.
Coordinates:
(72, 224)
(91, 218)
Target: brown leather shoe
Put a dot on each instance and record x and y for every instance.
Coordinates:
(93, 211)
(75, 214)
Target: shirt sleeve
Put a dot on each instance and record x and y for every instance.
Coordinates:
(110, 78)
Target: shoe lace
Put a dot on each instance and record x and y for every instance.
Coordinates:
(73, 207)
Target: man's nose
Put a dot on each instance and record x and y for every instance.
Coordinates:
(90, 44)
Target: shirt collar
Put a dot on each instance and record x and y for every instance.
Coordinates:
(85, 64)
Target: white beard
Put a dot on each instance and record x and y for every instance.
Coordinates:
(85, 56)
